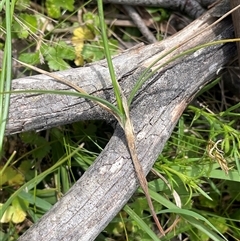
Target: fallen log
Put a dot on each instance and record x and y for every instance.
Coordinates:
(109, 183)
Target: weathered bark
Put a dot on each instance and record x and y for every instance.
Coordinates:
(236, 23)
(38, 112)
(109, 183)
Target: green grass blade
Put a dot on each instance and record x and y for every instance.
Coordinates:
(39, 202)
(193, 218)
(233, 175)
(115, 84)
(33, 182)
(114, 109)
(200, 226)
(228, 112)
(2, 4)
(147, 74)
(6, 74)
(141, 223)
(187, 214)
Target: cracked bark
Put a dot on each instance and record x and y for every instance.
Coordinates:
(236, 23)
(109, 183)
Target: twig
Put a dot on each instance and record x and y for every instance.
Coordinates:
(140, 24)
(191, 7)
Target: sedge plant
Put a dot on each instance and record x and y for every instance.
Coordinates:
(121, 113)
(6, 70)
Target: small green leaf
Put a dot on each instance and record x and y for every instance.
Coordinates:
(12, 177)
(30, 58)
(219, 223)
(158, 14)
(19, 31)
(95, 51)
(55, 55)
(92, 52)
(30, 21)
(205, 202)
(43, 147)
(92, 22)
(85, 129)
(57, 64)
(52, 10)
(29, 137)
(22, 4)
(65, 51)
(54, 7)
(25, 25)
(25, 169)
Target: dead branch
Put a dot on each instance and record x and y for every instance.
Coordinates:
(109, 183)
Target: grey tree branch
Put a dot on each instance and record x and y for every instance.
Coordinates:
(193, 8)
(108, 184)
